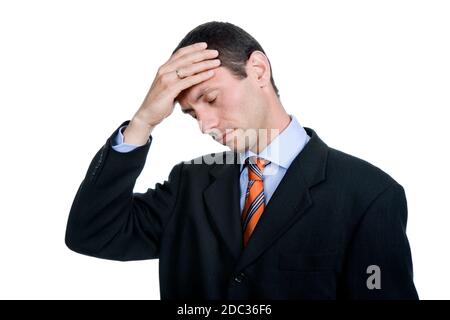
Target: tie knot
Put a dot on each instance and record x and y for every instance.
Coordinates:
(256, 167)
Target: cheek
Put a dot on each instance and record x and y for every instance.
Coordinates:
(238, 105)
(231, 107)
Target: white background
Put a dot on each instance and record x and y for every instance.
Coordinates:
(371, 77)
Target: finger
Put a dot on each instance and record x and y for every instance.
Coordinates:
(198, 67)
(193, 80)
(188, 49)
(190, 59)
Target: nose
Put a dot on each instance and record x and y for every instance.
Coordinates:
(208, 121)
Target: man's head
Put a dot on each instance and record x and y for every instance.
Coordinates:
(241, 97)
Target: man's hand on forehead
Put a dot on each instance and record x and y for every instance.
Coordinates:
(186, 67)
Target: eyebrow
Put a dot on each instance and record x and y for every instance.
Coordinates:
(186, 110)
(202, 92)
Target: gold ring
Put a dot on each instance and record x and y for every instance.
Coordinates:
(178, 74)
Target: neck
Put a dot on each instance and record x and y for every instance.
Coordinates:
(276, 121)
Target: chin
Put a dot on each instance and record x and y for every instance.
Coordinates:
(236, 146)
(238, 141)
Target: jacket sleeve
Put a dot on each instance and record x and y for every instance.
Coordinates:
(379, 263)
(107, 220)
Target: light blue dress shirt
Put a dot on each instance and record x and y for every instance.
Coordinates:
(280, 152)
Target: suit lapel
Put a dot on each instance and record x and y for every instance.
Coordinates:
(290, 201)
(222, 200)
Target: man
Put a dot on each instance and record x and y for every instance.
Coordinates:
(279, 216)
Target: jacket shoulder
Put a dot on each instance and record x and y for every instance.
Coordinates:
(358, 173)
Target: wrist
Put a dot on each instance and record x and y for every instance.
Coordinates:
(137, 132)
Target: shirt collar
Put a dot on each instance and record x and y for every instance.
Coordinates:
(284, 148)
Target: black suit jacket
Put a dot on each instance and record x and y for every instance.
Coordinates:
(331, 217)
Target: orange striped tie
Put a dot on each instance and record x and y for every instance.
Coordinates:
(254, 201)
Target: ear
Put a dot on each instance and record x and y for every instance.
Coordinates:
(258, 67)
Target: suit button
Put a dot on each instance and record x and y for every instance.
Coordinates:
(239, 278)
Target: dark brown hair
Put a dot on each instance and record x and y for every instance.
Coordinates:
(233, 43)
